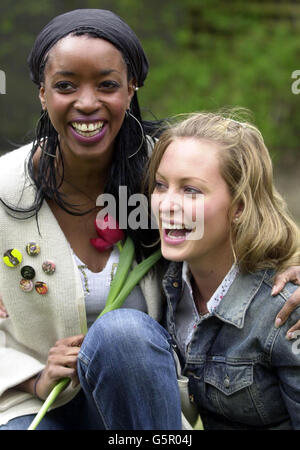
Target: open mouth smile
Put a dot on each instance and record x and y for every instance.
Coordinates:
(87, 129)
(88, 132)
(175, 233)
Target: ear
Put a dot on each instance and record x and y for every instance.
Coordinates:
(238, 210)
(42, 97)
(131, 90)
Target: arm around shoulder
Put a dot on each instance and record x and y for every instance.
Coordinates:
(285, 358)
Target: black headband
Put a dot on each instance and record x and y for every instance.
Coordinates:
(105, 24)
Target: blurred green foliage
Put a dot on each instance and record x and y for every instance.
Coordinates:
(203, 54)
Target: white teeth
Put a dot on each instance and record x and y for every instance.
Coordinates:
(87, 127)
(170, 234)
(174, 226)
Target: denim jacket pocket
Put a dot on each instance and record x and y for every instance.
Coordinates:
(228, 377)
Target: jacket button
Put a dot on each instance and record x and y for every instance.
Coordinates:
(175, 284)
(28, 272)
(226, 381)
(12, 257)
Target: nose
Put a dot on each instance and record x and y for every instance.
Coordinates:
(87, 101)
(170, 204)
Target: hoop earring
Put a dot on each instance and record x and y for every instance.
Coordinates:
(45, 117)
(40, 119)
(48, 154)
(128, 113)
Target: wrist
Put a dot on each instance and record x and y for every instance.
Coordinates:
(37, 378)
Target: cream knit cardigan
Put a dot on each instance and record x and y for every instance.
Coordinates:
(36, 321)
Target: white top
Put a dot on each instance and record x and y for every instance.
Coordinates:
(96, 286)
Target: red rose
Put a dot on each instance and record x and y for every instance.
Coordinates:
(108, 231)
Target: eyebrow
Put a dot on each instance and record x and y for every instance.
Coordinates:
(68, 73)
(184, 179)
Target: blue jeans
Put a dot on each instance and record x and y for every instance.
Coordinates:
(128, 379)
(127, 370)
(75, 415)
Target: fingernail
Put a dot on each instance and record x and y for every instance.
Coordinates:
(274, 290)
(289, 336)
(278, 322)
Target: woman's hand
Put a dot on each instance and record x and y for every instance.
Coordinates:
(61, 363)
(292, 274)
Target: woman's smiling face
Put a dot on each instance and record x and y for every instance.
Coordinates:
(86, 93)
(188, 181)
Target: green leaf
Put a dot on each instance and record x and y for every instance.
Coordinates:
(125, 262)
(132, 280)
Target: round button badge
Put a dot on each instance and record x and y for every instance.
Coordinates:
(28, 272)
(33, 249)
(12, 257)
(41, 287)
(48, 267)
(26, 285)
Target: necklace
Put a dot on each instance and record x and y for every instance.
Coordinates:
(92, 200)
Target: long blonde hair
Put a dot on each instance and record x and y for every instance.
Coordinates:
(265, 235)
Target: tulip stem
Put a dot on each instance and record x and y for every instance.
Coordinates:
(48, 402)
(120, 246)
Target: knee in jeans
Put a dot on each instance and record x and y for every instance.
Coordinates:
(118, 327)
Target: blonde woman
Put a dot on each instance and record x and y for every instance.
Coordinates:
(243, 372)
(218, 352)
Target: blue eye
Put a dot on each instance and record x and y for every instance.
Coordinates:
(191, 190)
(159, 186)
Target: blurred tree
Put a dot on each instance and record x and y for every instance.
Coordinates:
(204, 54)
(232, 53)
(19, 107)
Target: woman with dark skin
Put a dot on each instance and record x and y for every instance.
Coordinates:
(91, 139)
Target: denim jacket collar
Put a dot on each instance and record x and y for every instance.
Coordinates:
(233, 307)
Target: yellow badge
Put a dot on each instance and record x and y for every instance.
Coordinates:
(12, 257)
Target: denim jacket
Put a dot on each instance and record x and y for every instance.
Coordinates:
(243, 372)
